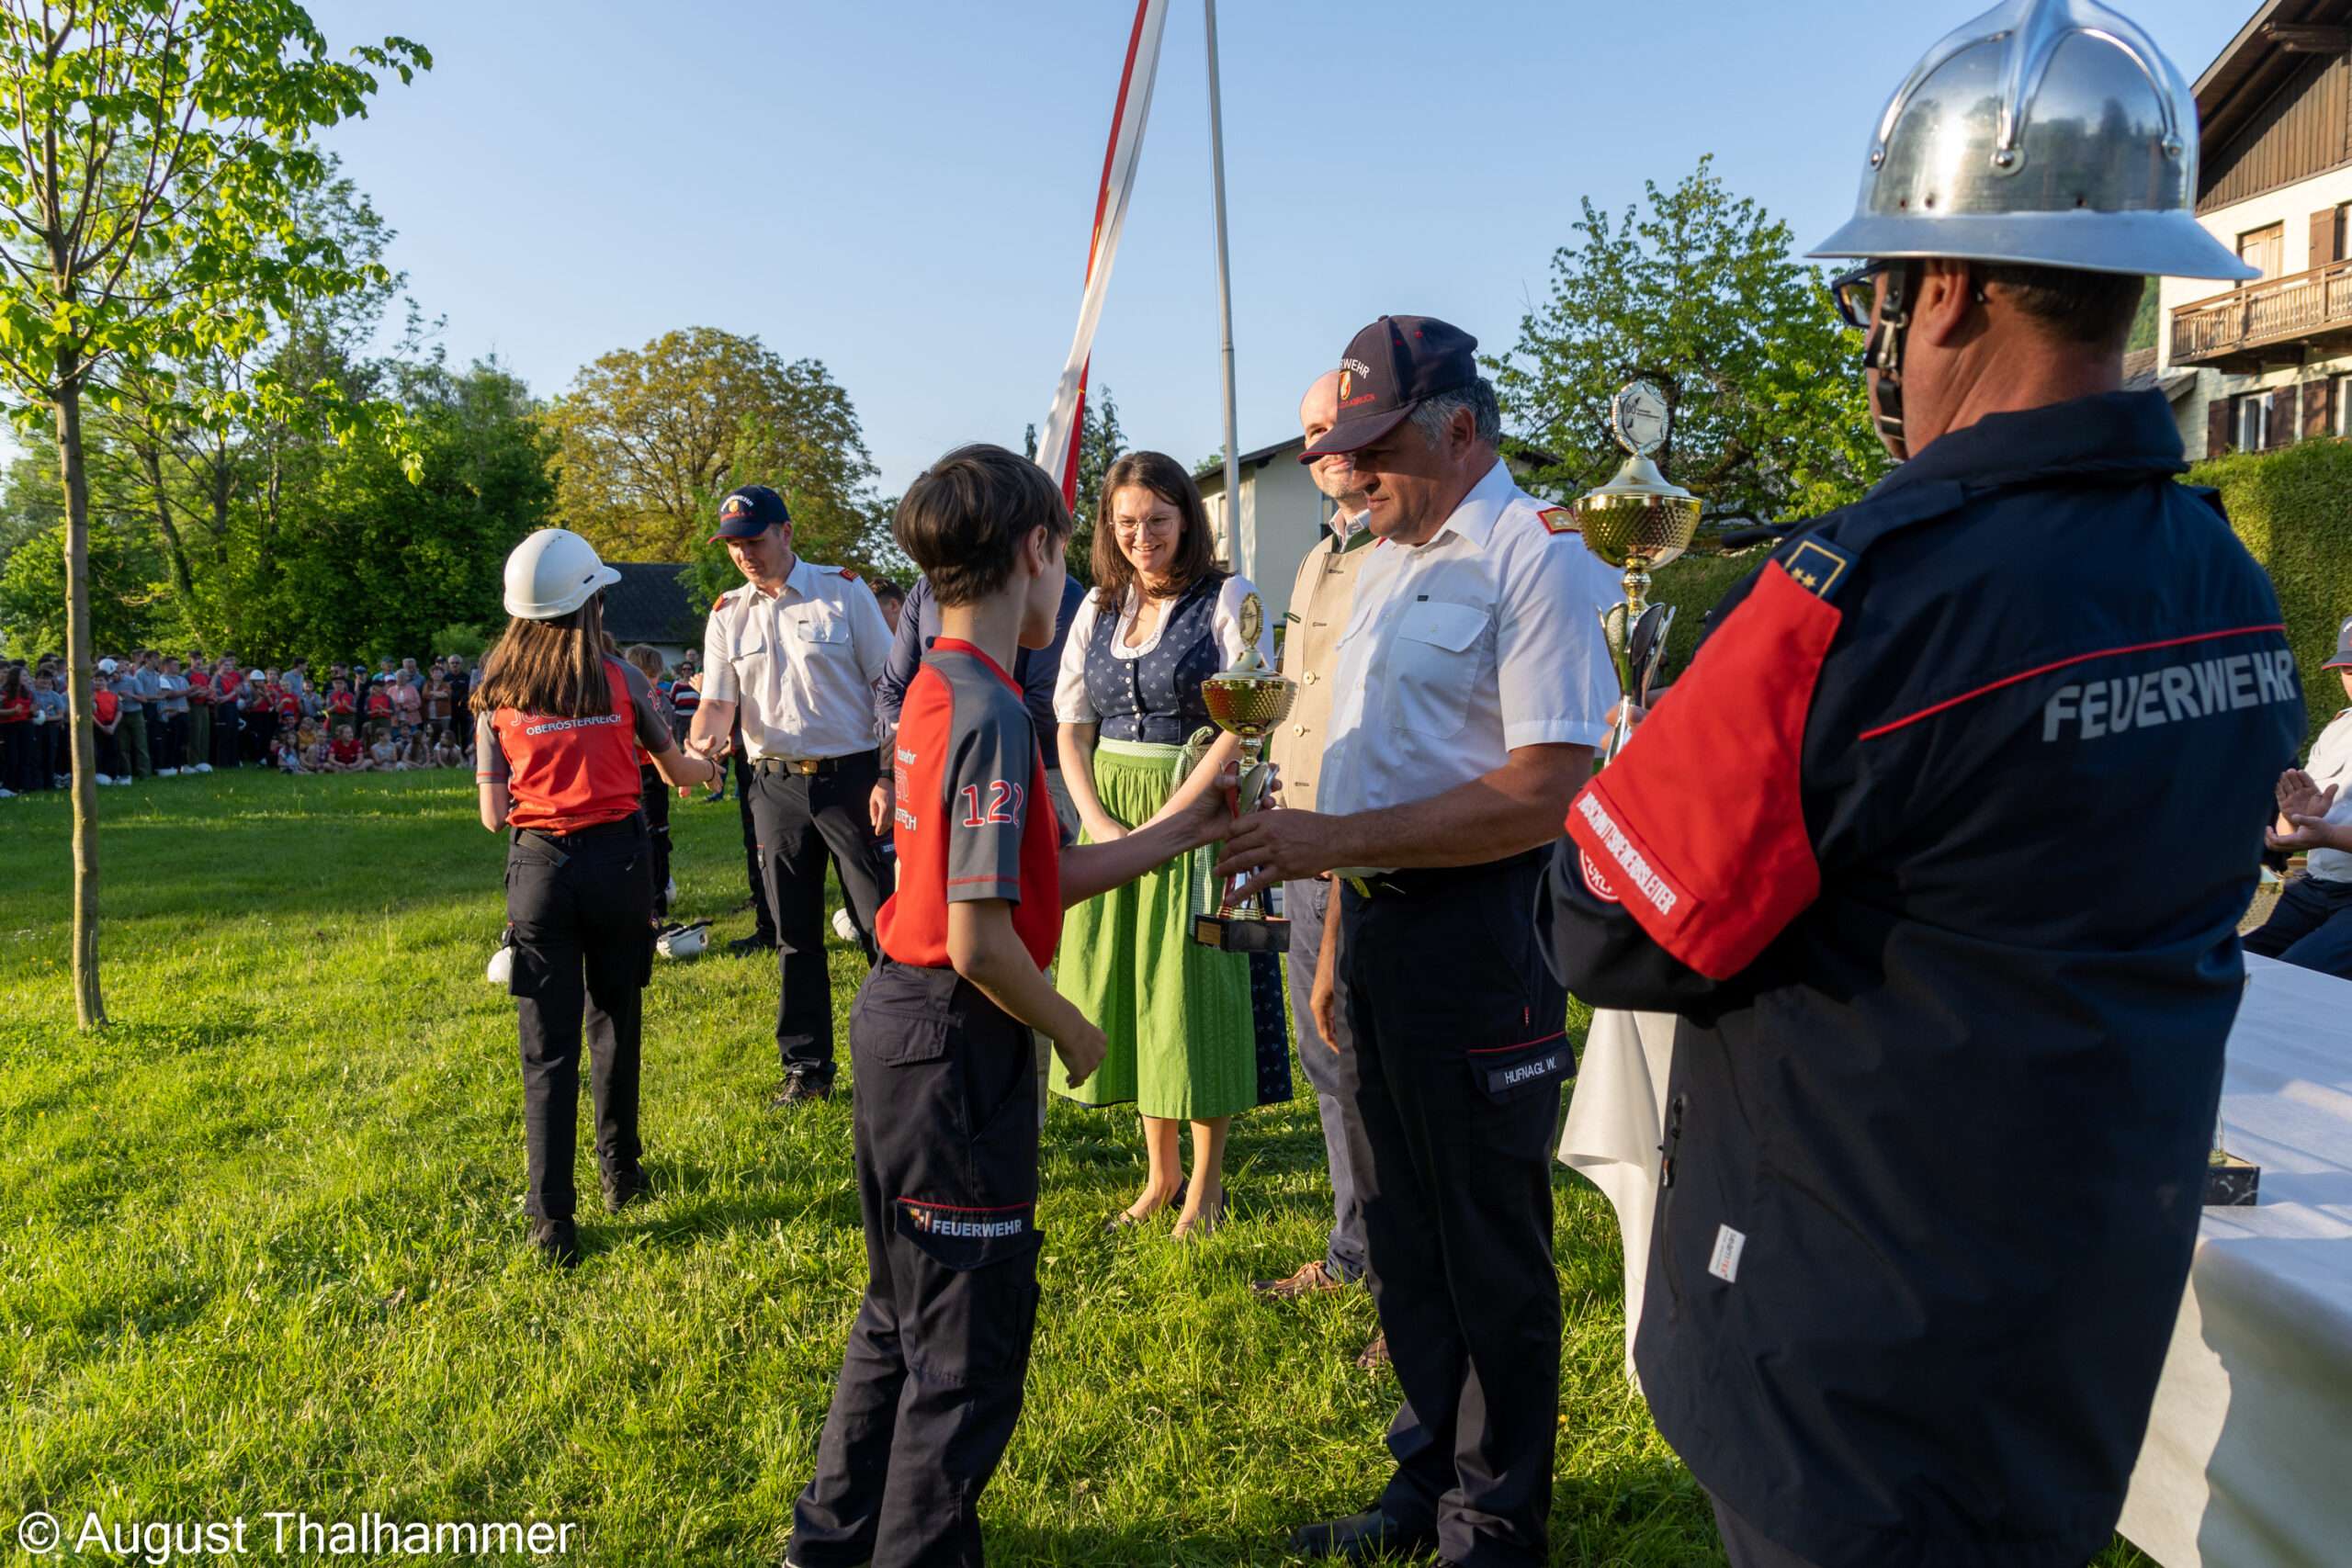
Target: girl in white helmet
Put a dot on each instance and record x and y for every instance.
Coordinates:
(558, 723)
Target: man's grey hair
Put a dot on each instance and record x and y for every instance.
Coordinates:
(1433, 415)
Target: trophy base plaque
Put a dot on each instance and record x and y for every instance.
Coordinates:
(1229, 933)
(2231, 1182)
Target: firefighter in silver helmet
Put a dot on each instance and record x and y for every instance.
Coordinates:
(1949, 1050)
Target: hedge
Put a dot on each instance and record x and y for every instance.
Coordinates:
(2294, 509)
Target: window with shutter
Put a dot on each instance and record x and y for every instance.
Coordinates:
(2217, 428)
(2318, 397)
(2280, 431)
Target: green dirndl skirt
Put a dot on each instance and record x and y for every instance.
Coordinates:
(1194, 1033)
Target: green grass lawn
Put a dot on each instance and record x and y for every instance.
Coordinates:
(261, 1247)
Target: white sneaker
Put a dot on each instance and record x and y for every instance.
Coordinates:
(105, 779)
(168, 772)
(843, 927)
(204, 767)
(8, 795)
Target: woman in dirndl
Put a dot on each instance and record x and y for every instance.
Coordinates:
(1195, 1034)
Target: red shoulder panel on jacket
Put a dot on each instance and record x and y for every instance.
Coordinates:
(1715, 874)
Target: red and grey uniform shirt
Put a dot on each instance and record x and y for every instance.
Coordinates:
(973, 820)
(564, 775)
(379, 704)
(1939, 848)
(341, 703)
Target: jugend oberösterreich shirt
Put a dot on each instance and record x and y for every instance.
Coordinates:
(800, 665)
(1463, 649)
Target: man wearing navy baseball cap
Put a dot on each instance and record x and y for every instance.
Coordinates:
(1470, 692)
(794, 654)
(2311, 926)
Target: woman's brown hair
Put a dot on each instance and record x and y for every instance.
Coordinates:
(1164, 477)
(554, 666)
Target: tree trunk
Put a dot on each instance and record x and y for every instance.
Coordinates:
(174, 551)
(89, 1010)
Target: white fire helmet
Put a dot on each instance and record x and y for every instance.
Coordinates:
(553, 573)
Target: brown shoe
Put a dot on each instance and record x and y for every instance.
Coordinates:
(1375, 1355)
(1312, 1279)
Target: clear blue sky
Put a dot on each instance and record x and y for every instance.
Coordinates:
(902, 188)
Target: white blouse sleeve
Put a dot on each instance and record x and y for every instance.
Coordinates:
(1070, 705)
(1226, 619)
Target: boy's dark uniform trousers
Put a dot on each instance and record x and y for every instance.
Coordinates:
(1955, 964)
(580, 900)
(946, 1144)
(800, 669)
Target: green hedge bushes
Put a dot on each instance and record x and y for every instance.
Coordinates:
(2294, 509)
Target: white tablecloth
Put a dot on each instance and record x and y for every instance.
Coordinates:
(2248, 1456)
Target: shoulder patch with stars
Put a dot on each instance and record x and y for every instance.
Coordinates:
(848, 575)
(1558, 519)
(1819, 569)
(720, 602)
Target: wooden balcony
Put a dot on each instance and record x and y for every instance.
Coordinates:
(2279, 321)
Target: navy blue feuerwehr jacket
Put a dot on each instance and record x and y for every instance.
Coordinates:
(1939, 848)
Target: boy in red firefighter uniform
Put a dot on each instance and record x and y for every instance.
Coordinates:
(940, 1042)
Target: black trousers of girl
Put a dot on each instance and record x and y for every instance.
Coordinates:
(581, 905)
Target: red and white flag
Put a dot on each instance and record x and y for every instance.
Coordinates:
(1058, 446)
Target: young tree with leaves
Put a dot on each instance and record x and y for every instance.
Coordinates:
(1698, 295)
(152, 156)
(650, 440)
(1101, 442)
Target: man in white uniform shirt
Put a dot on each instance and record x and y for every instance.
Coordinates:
(1472, 688)
(795, 653)
(2311, 926)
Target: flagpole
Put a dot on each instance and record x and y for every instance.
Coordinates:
(1242, 553)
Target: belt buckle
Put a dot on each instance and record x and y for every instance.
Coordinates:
(803, 765)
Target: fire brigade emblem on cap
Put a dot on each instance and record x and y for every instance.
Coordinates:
(750, 511)
(1390, 369)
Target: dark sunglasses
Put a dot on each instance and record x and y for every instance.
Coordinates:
(1856, 292)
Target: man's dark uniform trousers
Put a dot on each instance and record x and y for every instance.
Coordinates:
(1955, 961)
(946, 1143)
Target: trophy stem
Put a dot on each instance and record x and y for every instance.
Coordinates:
(1636, 584)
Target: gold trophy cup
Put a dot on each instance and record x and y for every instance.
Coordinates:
(1636, 521)
(1249, 701)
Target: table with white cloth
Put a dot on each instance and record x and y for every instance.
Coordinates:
(2248, 1456)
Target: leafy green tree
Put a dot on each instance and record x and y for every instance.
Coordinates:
(32, 592)
(650, 440)
(1698, 294)
(152, 156)
(364, 561)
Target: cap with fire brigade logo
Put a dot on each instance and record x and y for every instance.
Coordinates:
(1390, 368)
(749, 511)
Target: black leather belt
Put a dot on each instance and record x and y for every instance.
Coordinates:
(1426, 881)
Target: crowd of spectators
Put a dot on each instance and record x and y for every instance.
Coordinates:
(159, 716)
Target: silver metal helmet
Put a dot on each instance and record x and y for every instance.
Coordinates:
(2051, 132)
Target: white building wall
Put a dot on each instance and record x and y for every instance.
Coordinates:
(2291, 208)
(1281, 497)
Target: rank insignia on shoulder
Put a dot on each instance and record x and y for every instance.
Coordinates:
(1558, 519)
(848, 575)
(1817, 567)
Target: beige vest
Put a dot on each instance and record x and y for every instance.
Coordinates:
(1319, 602)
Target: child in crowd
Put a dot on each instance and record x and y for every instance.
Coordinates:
(657, 793)
(316, 749)
(439, 701)
(380, 710)
(106, 717)
(342, 707)
(417, 754)
(384, 753)
(344, 755)
(447, 753)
